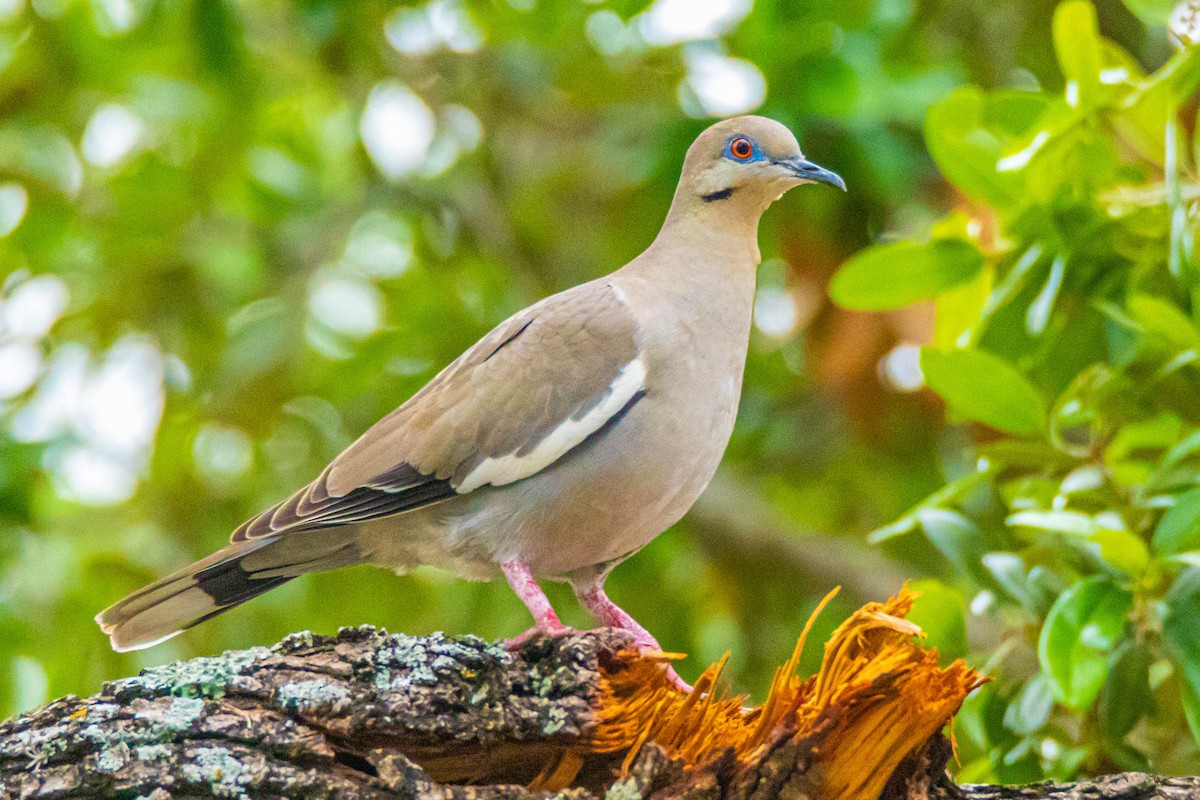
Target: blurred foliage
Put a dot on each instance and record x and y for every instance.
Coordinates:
(1066, 293)
(235, 234)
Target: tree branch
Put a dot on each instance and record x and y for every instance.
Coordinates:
(370, 715)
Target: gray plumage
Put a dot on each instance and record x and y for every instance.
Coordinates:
(563, 441)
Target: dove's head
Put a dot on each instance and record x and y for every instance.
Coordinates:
(752, 159)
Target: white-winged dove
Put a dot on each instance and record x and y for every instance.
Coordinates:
(560, 444)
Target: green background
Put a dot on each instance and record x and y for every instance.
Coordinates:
(235, 234)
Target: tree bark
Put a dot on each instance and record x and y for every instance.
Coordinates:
(370, 715)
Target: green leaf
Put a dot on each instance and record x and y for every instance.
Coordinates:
(949, 493)
(1009, 572)
(895, 275)
(1078, 46)
(1158, 316)
(958, 311)
(1179, 77)
(1165, 473)
(941, 611)
(969, 132)
(1179, 529)
(1038, 314)
(1190, 698)
(981, 718)
(1127, 757)
(1144, 115)
(956, 537)
(1181, 641)
(1044, 586)
(1082, 626)
(1121, 549)
(1152, 12)
(1031, 708)
(1127, 696)
(983, 387)
(1069, 522)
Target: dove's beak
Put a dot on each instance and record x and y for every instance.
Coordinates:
(812, 173)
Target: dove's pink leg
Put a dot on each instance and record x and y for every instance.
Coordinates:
(606, 611)
(546, 622)
(612, 615)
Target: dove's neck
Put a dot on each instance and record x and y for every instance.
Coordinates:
(693, 292)
(705, 247)
(702, 267)
(726, 226)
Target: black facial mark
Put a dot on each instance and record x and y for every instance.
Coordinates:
(724, 194)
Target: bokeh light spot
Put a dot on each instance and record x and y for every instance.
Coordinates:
(33, 307)
(900, 369)
(397, 129)
(111, 135)
(672, 21)
(775, 312)
(20, 362)
(222, 453)
(380, 244)
(346, 305)
(14, 202)
(723, 86)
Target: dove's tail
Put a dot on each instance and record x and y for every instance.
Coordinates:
(228, 577)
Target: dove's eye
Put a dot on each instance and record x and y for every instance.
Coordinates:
(741, 148)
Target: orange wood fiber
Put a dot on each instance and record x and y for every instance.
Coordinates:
(878, 696)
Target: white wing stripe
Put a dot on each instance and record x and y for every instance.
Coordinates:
(512, 467)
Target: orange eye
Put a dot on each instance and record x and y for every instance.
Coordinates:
(742, 148)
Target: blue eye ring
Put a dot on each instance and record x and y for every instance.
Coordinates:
(741, 149)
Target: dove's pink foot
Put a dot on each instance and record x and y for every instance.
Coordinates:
(546, 622)
(591, 594)
(537, 632)
(594, 598)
